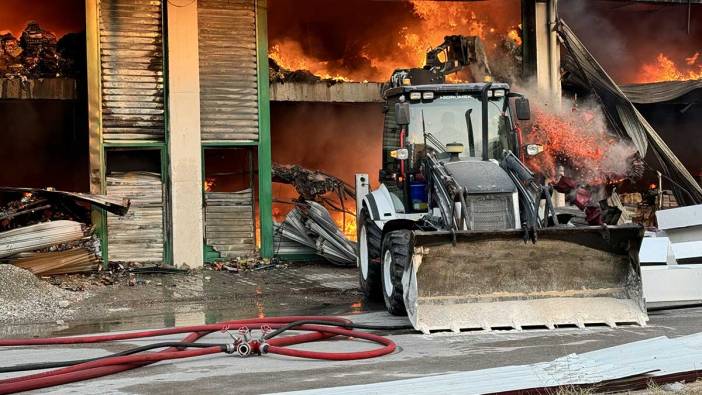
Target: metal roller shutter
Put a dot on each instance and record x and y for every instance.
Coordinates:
(229, 224)
(228, 70)
(138, 236)
(131, 58)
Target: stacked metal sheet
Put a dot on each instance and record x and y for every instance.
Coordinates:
(39, 236)
(614, 369)
(229, 223)
(309, 228)
(137, 236)
(75, 260)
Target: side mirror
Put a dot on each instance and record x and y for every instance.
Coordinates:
(402, 114)
(521, 106)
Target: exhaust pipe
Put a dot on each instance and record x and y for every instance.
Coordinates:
(484, 102)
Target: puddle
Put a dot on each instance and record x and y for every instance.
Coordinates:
(183, 315)
(204, 298)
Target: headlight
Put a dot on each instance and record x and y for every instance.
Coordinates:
(534, 149)
(400, 154)
(415, 95)
(428, 95)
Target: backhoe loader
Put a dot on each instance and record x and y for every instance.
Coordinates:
(462, 235)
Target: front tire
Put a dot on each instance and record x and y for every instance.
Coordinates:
(369, 236)
(396, 258)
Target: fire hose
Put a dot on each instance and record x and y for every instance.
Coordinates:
(244, 344)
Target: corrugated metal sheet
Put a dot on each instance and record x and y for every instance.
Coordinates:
(654, 357)
(228, 70)
(229, 223)
(35, 237)
(137, 236)
(131, 58)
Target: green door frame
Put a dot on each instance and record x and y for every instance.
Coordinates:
(265, 183)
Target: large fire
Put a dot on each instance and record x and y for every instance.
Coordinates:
(403, 42)
(666, 69)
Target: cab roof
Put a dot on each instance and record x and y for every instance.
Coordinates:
(444, 88)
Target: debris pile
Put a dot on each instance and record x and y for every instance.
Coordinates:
(23, 295)
(46, 231)
(309, 229)
(37, 53)
(277, 73)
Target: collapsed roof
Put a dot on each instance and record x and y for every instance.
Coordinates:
(625, 118)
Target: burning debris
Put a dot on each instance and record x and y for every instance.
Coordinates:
(37, 53)
(577, 141)
(277, 73)
(45, 231)
(391, 35)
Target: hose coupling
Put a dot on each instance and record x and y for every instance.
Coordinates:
(244, 349)
(263, 348)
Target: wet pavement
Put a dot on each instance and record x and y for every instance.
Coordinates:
(306, 289)
(204, 297)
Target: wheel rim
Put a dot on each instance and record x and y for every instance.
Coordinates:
(387, 283)
(363, 252)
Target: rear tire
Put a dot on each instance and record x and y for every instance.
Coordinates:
(369, 237)
(396, 258)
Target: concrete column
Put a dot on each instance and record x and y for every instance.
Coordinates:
(548, 52)
(548, 60)
(184, 138)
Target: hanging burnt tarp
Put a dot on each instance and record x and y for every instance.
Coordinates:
(625, 119)
(665, 91)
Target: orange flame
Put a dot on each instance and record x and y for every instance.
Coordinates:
(349, 229)
(209, 184)
(434, 21)
(665, 69)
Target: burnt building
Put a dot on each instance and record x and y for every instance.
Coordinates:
(177, 104)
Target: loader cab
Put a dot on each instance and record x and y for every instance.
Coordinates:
(443, 119)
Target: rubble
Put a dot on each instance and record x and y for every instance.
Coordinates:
(37, 53)
(47, 231)
(23, 295)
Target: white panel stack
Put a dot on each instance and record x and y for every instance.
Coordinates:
(671, 266)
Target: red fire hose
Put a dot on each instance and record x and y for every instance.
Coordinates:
(328, 327)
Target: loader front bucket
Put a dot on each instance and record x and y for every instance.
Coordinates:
(493, 280)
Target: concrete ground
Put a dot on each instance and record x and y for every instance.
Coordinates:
(417, 354)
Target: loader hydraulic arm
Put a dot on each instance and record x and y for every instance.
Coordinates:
(457, 53)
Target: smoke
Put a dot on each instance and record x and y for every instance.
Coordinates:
(626, 37)
(577, 139)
